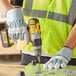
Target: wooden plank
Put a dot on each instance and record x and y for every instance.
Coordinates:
(10, 70)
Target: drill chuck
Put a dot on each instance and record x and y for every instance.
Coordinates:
(38, 52)
(36, 42)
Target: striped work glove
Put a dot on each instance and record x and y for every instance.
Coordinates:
(16, 26)
(61, 59)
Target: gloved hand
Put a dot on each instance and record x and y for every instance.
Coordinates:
(60, 60)
(16, 25)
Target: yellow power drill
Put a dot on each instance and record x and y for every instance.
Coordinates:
(35, 35)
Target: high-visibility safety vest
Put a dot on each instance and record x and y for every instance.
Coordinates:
(56, 18)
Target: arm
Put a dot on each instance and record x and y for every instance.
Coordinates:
(5, 6)
(71, 40)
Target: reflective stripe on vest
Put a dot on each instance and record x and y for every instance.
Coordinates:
(52, 15)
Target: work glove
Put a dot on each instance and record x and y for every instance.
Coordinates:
(16, 26)
(60, 60)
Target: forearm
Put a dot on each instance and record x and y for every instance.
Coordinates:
(4, 6)
(71, 40)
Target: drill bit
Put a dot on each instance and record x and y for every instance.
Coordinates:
(39, 62)
(39, 68)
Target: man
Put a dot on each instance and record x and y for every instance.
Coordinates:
(56, 18)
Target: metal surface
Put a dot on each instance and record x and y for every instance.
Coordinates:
(33, 71)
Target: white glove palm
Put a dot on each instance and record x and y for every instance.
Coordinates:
(60, 60)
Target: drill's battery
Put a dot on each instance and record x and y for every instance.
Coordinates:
(5, 38)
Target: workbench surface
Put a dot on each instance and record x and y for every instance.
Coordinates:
(10, 70)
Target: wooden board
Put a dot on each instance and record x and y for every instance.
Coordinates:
(10, 70)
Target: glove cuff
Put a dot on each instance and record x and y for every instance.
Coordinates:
(13, 15)
(65, 52)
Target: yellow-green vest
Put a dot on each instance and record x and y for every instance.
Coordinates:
(56, 18)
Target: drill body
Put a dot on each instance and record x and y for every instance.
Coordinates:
(35, 35)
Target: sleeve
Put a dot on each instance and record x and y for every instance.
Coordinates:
(16, 2)
(74, 22)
